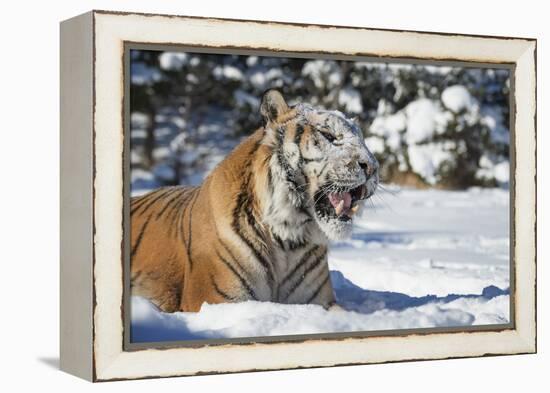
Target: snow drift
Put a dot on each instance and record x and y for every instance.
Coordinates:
(419, 259)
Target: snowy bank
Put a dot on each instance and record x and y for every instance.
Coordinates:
(416, 259)
(255, 319)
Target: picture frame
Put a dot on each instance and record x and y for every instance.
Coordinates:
(93, 292)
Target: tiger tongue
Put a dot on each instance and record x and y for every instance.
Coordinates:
(341, 201)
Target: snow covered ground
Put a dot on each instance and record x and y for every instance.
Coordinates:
(417, 259)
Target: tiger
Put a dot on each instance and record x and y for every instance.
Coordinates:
(259, 226)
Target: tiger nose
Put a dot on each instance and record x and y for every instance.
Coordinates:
(369, 167)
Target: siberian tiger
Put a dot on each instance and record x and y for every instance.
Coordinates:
(258, 227)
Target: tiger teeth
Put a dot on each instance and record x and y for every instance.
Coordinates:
(363, 192)
(339, 208)
(353, 210)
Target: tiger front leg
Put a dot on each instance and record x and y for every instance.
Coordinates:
(325, 296)
(214, 286)
(319, 290)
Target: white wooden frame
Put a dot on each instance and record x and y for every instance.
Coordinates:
(92, 89)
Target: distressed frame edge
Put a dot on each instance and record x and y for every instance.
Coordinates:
(305, 24)
(76, 196)
(527, 340)
(525, 225)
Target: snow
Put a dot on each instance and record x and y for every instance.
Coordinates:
(140, 174)
(429, 242)
(390, 128)
(260, 77)
(417, 132)
(375, 144)
(422, 119)
(139, 120)
(350, 99)
(417, 123)
(502, 172)
(253, 319)
(173, 61)
(160, 153)
(426, 159)
(195, 61)
(457, 99)
(228, 72)
(251, 61)
(489, 170)
(395, 67)
(192, 78)
(417, 259)
(138, 133)
(441, 70)
(323, 73)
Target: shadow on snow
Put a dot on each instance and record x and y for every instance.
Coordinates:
(365, 301)
(377, 237)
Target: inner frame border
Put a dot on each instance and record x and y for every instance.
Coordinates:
(231, 50)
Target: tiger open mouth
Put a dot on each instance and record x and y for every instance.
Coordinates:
(340, 203)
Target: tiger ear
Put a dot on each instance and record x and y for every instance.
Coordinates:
(273, 105)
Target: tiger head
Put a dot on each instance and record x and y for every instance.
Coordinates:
(322, 157)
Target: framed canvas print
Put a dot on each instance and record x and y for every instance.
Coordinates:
(245, 195)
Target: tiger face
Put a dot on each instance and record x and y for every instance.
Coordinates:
(324, 160)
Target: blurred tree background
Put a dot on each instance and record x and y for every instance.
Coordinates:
(429, 126)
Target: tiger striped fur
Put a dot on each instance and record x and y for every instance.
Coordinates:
(258, 227)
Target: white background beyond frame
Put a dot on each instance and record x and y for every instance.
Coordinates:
(30, 292)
